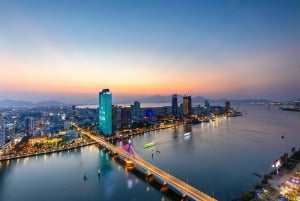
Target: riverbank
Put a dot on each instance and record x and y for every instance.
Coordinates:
(281, 184)
(17, 156)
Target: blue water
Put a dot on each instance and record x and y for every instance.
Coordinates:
(218, 158)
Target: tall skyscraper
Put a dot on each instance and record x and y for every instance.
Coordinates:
(116, 117)
(206, 104)
(2, 130)
(29, 123)
(136, 111)
(227, 105)
(174, 105)
(187, 105)
(105, 112)
(126, 116)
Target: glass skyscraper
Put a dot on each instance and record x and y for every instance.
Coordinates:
(105, 112)
(187, 105)
(174, 105)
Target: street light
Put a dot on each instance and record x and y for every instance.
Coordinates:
(276, 165)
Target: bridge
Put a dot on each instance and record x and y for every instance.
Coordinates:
(181, 186)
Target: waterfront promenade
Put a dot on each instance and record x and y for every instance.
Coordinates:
(58, 149)
(181, 186)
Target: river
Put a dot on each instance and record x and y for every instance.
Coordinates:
(219, 158)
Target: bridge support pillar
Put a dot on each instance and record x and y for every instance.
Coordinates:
(104, 149)
(164, 187)
(183, 197)
(115, 156)
(149, 177)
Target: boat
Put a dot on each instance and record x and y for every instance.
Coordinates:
(186, 134)
(150, 144)
(99, 171)
(256, 174)
(129, 164)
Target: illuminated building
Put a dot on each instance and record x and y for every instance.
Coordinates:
(126, 117)
(174, 105)
(116, 117)
(29, 124)
(105, 112)
(227, 105)
(206, 103)
(187, 105)
(136, 112)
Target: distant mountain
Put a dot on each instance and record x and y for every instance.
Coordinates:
(50, 103)
(244, 101)
(129, 100)
(158, 99)
(21, 103)
(15, 103)
(199, 99)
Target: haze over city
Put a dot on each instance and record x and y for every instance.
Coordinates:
(216, 49)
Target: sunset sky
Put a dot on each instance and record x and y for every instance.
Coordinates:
(71, 49)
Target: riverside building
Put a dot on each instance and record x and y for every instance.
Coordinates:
(187, 105)
(105, 112)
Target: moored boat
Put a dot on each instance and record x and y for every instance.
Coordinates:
(186, 134)
(150, 144)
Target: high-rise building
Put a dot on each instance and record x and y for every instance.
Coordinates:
(227, 105)
(187, 105)
(105, 112)
(174, 105)
(136, 111)
(29, 124)
(126, 116)
(116, 117)
(2, 131)
(206, 103)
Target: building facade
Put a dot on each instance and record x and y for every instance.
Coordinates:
(136, 112)
(29, 124)
(105, 112)
(174, 105)
(227, 105)
(187, 105)
(116, 117)
(126, 117)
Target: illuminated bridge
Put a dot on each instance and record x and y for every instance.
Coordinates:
(176, 183)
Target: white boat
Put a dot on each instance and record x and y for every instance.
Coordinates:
(99, 171)
(186, 134)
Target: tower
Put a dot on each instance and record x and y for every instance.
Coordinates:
(187, 105)
(136, 112)
(174, 105)
(105, 112)
(29, 124)
(126, 116)
(227, 105)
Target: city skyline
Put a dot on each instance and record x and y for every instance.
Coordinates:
(63, 50)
